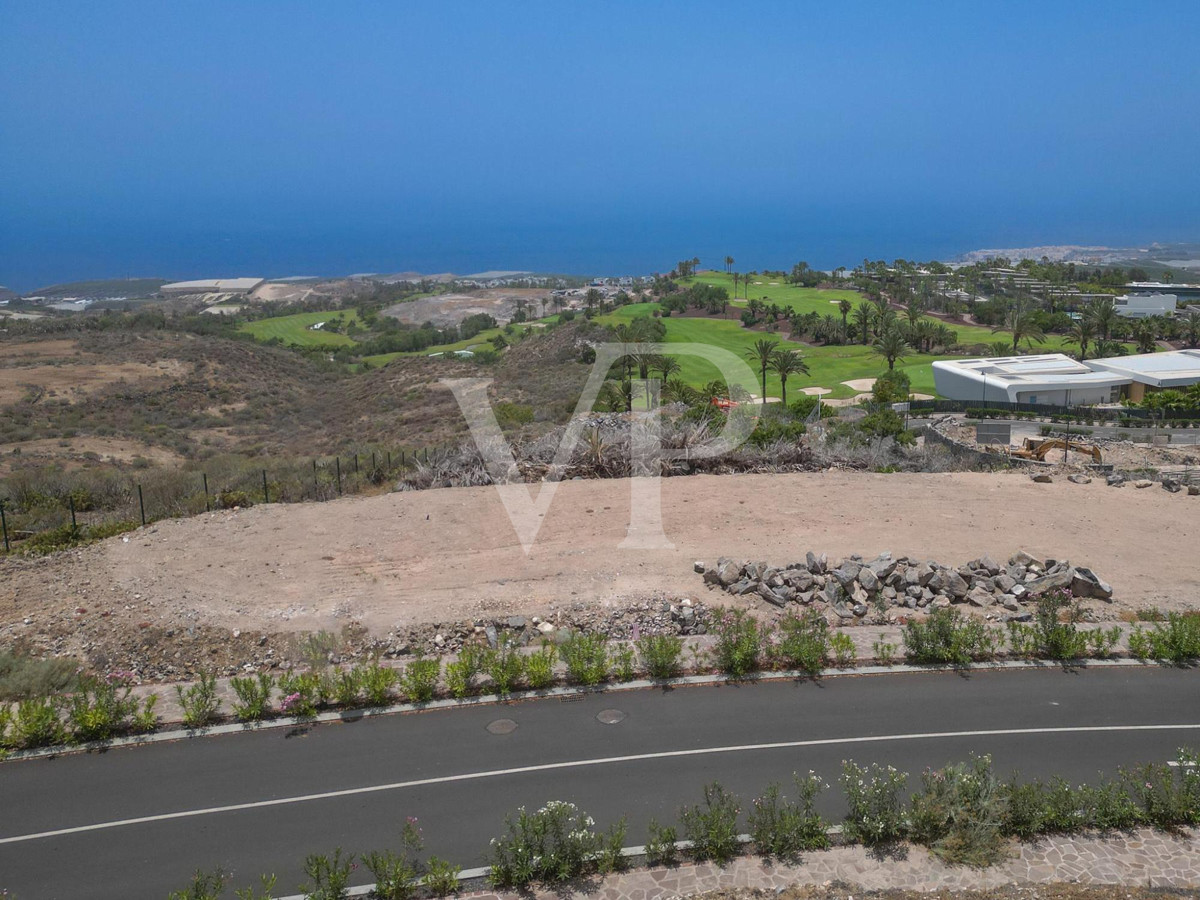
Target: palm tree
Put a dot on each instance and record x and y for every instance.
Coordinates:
(863, 314)
(1145, 335)
(761, 353)
(667, 365)
(1083, 332)
(1191, 328)
(736, 278)
(785, 363)
(844, 307)
(728, 263)
(1019, 320)
(1103, 313)
(891, 346)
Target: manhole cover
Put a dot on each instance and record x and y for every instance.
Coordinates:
(610, 716)
(502, 726)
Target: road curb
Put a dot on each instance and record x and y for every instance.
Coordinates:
(355, 715)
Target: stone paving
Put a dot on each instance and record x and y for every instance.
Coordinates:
(1144, 857)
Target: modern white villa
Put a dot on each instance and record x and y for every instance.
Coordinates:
(1054, 379)
(1142, 306)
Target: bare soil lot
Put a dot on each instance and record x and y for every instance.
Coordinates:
(450, 309)
(404, 559)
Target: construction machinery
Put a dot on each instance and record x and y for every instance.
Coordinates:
(1039, 448)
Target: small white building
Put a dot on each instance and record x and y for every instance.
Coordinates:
(1052, 379)
(1142, 306)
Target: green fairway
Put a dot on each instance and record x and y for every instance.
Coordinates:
(296, 330)
(829, 366)
(800, 299)
(479, 341)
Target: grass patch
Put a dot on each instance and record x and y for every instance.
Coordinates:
(296, 330)
(23, 677)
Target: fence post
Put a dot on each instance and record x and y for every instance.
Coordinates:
(266, 496)
(389, 460)
(373, 466)
(403, 458)
(4, 525)
(426, 455)
(316, 483)
(142, 505)
(338, 460)
(207, 505)
(71, 503)
(356, 463)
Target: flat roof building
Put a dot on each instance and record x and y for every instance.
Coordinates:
(213, 286)
(1052, 379)
(1141, 306)
(1156, 371)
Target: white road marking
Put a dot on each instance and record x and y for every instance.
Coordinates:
(583, 763)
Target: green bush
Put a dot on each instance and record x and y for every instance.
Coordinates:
(253, 702)
(329, 876)
(420, 679)
(884, 651)
(204, 886)
(441, 877)
(1176, 640)
(461, 673)
(539, 666)
(948, 637)
(396, 874)
(842, 646)
(102, 708)
(586, 658)
(959, 814)
(803, 642)
(876, 809)
(199, 701)
(737, 650)
(22, 677)
(712, 826)
(346, 687)
(36, 724)
(504, 665)
(377, 683)
(660, 655)
(660, 844)
(300, 694)
(783, 828)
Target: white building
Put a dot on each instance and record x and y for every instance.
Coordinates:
(1049, 378)
(1154, 371)
(1053, 379)
(213, 286)
(1141, 306)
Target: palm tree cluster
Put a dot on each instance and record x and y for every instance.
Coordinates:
(783, 361)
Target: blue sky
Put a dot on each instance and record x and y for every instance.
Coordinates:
(277, 138)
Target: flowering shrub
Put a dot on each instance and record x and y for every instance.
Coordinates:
(554, 844)
(586, 657)
(254, 696)
(660, 655)
(420, 678)
(739, 643)
(1176, 640)
(712, 826)
(35, 724)
(959, 813)
(301, 693)
(199, 701)
(803, 642)
(346, 686)
(539, 666)
(783, 829)
(875, 797)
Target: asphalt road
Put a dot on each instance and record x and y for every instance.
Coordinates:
(62, 834)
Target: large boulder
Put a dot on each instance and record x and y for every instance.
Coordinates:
(1060, 579)
(868, 580)
(1087, 583)
(847, 573)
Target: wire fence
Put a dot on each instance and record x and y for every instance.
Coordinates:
(49, 509)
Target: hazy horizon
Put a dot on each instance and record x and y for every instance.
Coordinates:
(144, 139)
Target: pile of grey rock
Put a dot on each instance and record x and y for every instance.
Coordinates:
(851, 588)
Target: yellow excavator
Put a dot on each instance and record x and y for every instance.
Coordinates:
(1039, 449)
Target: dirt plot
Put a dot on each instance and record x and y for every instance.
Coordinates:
(434, 556)
(450, 309)
(82, 449)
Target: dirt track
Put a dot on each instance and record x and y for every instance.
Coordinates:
(441, 555)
